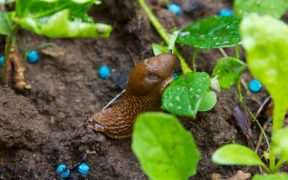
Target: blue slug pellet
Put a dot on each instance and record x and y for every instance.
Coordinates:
(33, 56)
(104, 72)
(255, 86)
(1, 60)
(83, 168)
(225, 12)
(63, 171)
(174, 8)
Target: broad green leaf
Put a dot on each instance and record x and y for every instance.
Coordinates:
(163, 147)
(280, 176)
(264, 7)
(212, 32)
(159, 49)
(228, 70)
(266, 42)
(280, 143)
(6, 1)
(236, 154)
(208, 102)
(59, 26)
(6, 23)
(60, 18)
(184, 95)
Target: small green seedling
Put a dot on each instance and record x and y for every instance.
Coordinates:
(228, 70)
(51, 18)
(267, 59)
(264, 7)
(164, 148)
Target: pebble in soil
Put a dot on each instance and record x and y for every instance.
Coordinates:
(255, 86)
(104, 72)
(174, 8)
(63, 171)
(33, 56)
(83, 168)
(1, 60)
(225, 12)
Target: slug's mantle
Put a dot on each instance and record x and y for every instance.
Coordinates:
(145, 86)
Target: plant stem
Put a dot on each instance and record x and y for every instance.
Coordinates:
(7, 50)
(6, 60)
(163, 33)
(195, 54)
(266, 169)
(279, 165)
(237, 54)
(240, 92)
(259, 125)
(272, 158)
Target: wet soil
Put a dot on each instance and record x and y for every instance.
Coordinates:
(46, 126)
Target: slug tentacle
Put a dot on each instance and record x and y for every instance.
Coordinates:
(143, 94)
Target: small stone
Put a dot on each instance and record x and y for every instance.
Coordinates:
(33, 56)
(63, 171)
(83, 168)
(1, 60)
(104, 72)
(174, 8)
(225, 12)
(255, 86)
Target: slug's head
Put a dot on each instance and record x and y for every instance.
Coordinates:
(151, 75)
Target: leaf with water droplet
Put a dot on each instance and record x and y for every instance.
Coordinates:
(267, 58)
(228, 70)
(265, 7)
(212, 32)
(185, 94)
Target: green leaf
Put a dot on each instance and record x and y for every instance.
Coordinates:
(266, 42)
(159, 49)
(236, 154)
(60, 18)
(6, 1)
(208, 102)
(264, 7)
(185, 94)
(172, 41)
(163, 147)
(280, 143)
(212, 32)
(281, 176)
(6, 23)
(228, 70)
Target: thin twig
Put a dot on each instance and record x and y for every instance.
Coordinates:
(114, 99)
(223, 52)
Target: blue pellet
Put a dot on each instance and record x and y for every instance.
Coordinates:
(63, 171)
(225, 12)
(33, 56)
(104, 72)
(83, 168)
(174, 8)
(255, 86)
(1, 60)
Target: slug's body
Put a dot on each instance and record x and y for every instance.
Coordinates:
(145, 85)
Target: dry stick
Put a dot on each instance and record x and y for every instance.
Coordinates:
(19, 69)
(260, 139)
(114, 99)
(223, 52)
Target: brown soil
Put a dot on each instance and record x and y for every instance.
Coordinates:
(46, 126)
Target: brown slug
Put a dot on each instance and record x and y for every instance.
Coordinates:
(143, 93)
